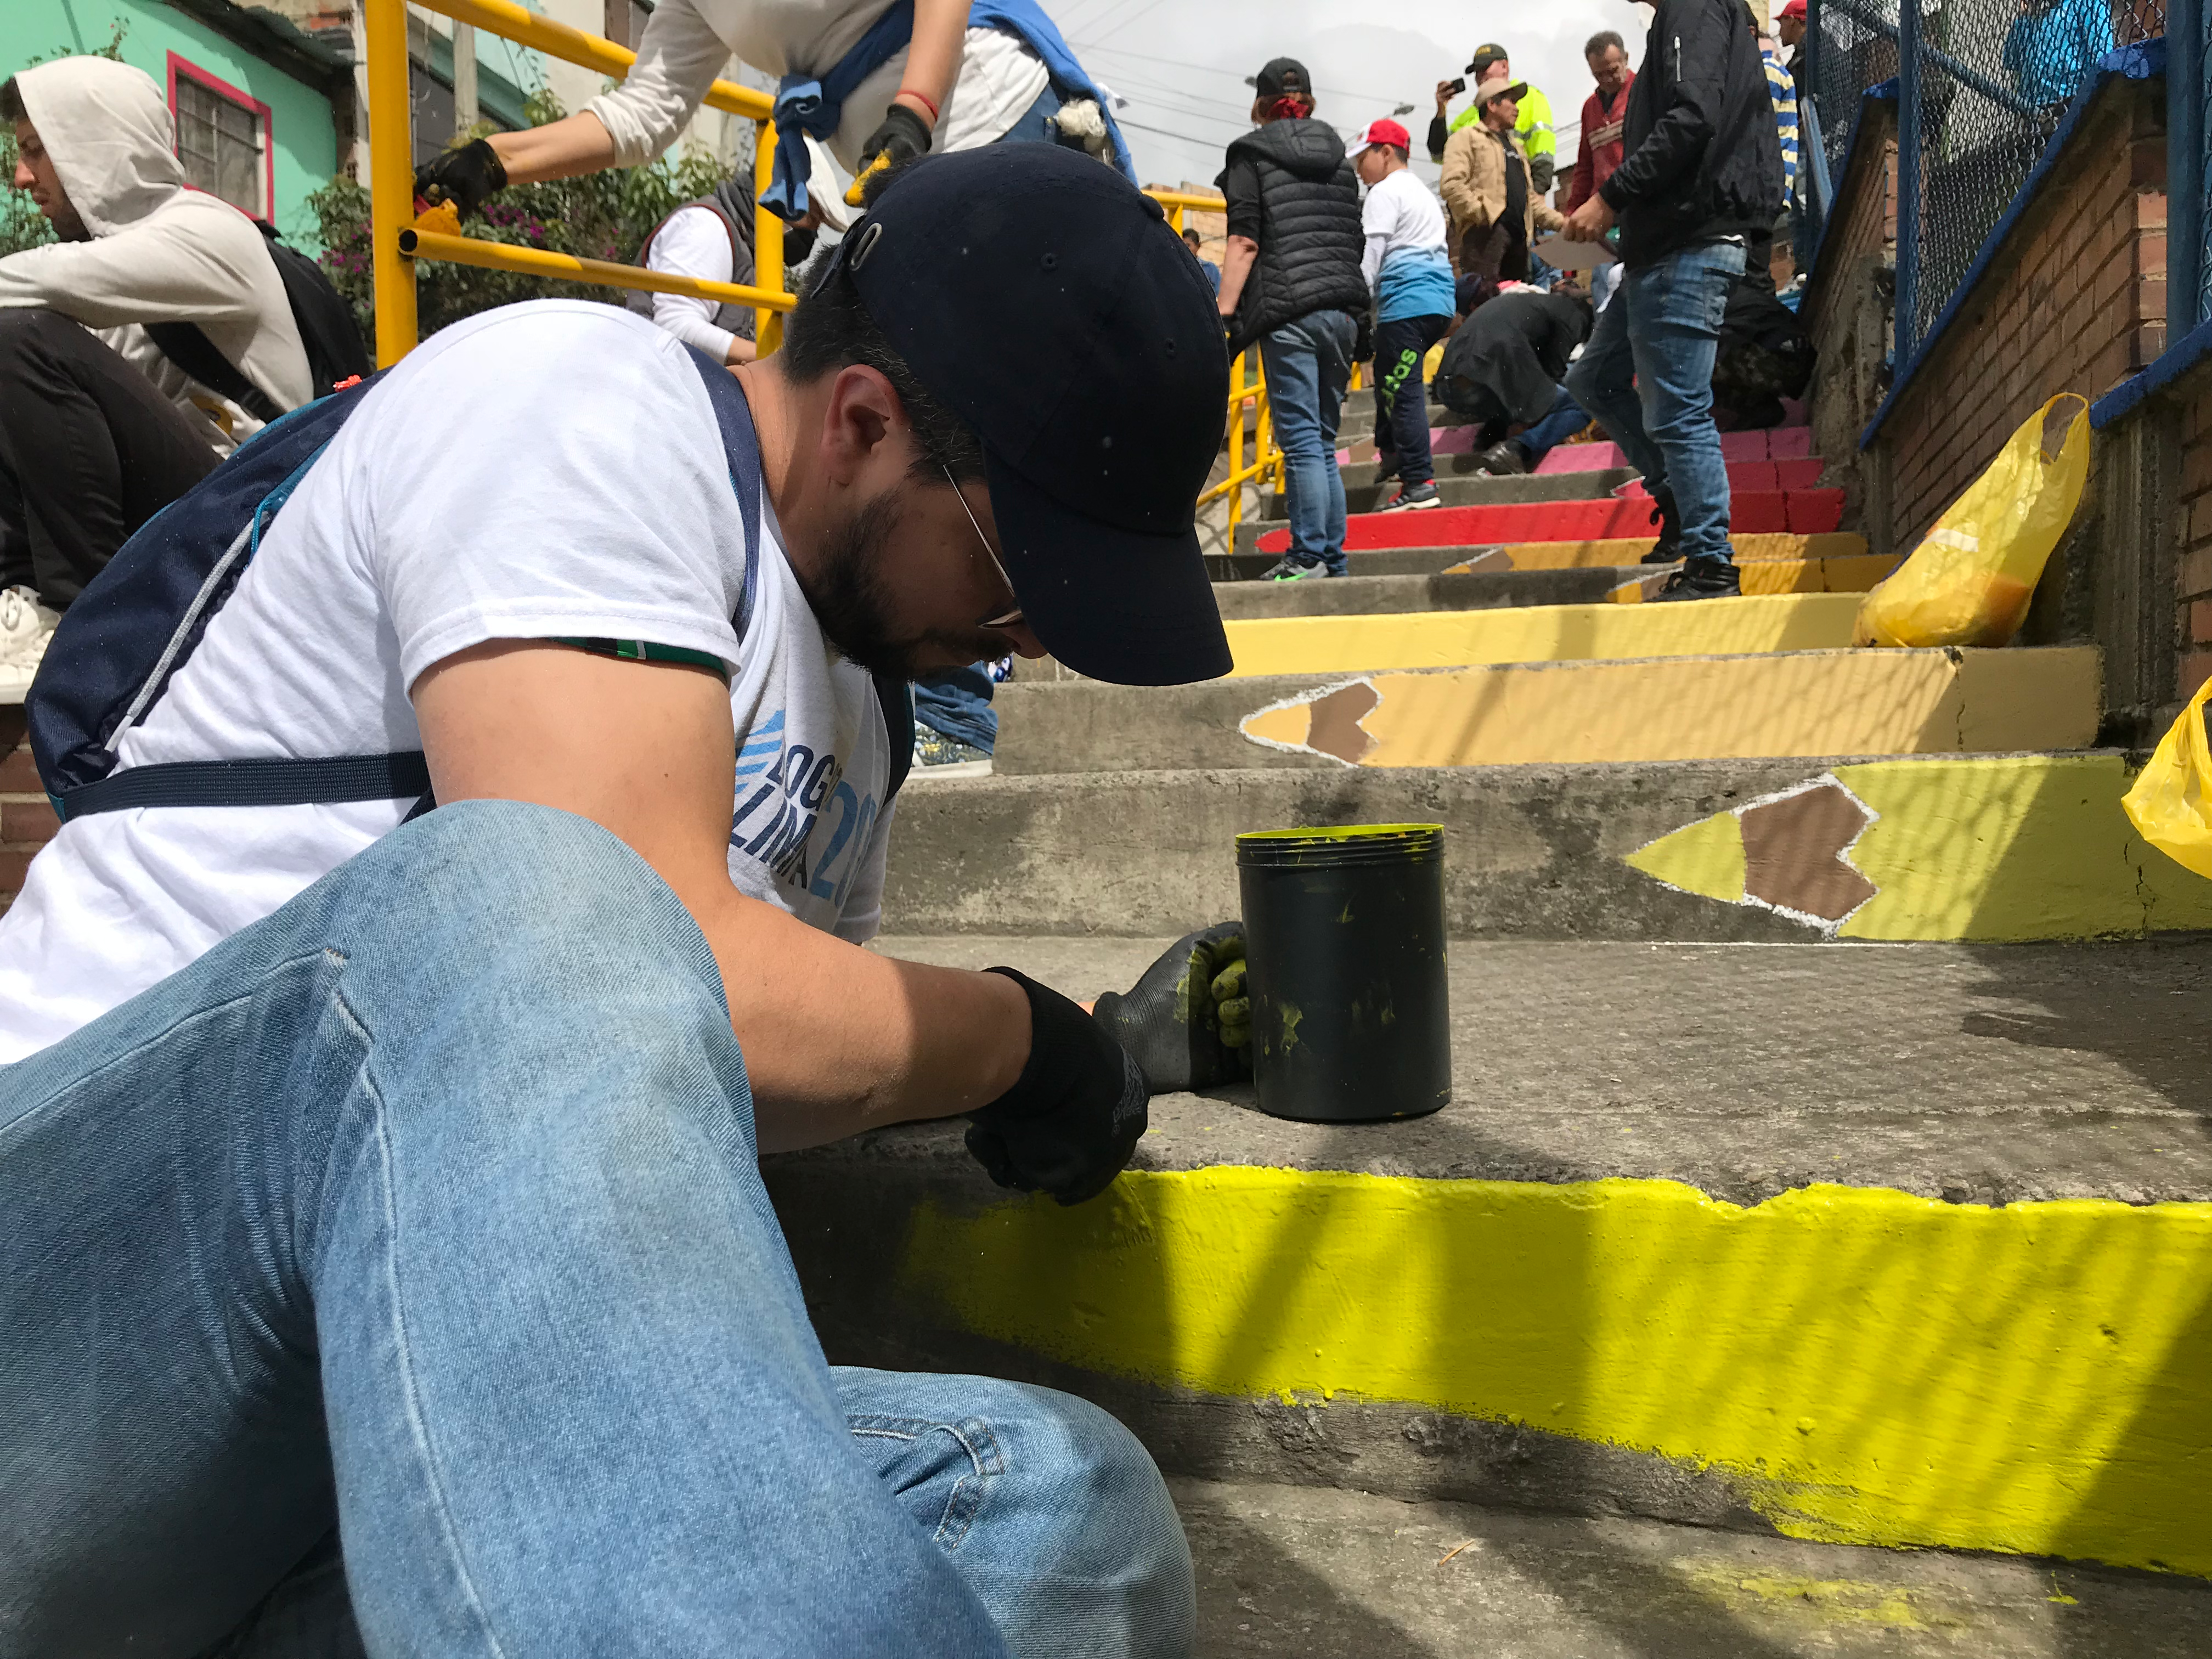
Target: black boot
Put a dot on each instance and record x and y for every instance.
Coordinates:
(1505, 459)
(1668, 547)
(1701, 579)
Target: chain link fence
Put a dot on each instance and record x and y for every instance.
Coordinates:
(1994, 78)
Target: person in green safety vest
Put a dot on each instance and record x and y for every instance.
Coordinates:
(1534, 125)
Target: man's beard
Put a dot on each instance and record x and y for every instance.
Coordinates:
(853, 606)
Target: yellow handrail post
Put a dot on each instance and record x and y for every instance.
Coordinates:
(767, 240)
(1263, 434)
(1235, 446)
(391, 176)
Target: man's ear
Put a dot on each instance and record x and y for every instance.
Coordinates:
(864, 426)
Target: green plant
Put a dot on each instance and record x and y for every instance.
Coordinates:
(22, 225)
(600, 215)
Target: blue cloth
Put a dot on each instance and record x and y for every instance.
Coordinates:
(1414, 282)
(1402, 394)
(1213, 276)
(2052, 52)
(352, 1218)
(956, 702)
(1565, 419)
(1647, 376)
(806, 104)
(1308, 365)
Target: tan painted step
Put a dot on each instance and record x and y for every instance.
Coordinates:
(1851, 573)
(1680, 708)
(1563, 633)
(1749, 549)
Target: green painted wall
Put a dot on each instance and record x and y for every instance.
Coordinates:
(303, 138)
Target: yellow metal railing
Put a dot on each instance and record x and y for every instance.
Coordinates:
(398, 239)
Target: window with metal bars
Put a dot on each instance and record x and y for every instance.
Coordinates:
(223, 143)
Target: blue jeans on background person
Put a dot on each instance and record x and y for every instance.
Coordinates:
(1647, 377)
(1565, 419)
(429, 1210)
(1402, 395)
(1308, 365)
(957, 702)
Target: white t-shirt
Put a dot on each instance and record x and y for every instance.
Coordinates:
(1400, 215)
(599, 506)
(688, 41)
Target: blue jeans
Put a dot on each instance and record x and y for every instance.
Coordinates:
(1647, 376)
(1562, 423)
(1309, 364)
(427, 1209)
(1401, 395)
(957, 702)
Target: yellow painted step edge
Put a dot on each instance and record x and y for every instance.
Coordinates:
(1862, 1365)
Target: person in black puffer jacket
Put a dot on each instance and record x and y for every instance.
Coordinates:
(1700, 180)
(1292, 283)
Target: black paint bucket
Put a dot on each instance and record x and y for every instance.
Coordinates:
(1344, 935)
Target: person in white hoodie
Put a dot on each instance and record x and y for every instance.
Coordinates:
(99, 429)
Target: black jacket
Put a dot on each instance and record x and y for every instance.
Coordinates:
(1508, 359)
(1291, 190)
(1703, 160)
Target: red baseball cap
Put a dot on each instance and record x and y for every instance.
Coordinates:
(1795, 9)
(1387, 131)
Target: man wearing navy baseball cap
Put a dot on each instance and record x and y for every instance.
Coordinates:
(388, 1266)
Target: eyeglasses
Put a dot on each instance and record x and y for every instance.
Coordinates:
(1012, 618)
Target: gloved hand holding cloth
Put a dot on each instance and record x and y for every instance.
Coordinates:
(467, 176)
(1075, 1114)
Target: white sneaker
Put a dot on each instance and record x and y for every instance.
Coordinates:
(25, 627)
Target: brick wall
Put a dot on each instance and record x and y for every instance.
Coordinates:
(1846, 309)
(2075, 301)
(2193, 525)
(27, 821)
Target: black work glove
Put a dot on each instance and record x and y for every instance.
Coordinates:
(1363, 337)
(1075, 1114)
(1187, 1021)
(900, 137)
(465, 176)
(798, 245)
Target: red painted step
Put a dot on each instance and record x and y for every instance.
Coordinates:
(1747, 476)
(1753, 513)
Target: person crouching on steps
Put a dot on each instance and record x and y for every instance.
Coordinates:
(1292, 283)
(1408, 266)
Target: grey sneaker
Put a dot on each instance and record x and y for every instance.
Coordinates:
(1292, 568)
(1411, 499)
(936, 755)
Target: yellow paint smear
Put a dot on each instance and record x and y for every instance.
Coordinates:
(1446, 639)
(1863, 1365)
(1619, 551)
(1847, 575)
(1809, 703)
(1704, 858)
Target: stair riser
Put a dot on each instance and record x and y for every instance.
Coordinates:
(1972, 848)
(1363, 595)
(1809, 704)
(1363, 495)
(1802, 512)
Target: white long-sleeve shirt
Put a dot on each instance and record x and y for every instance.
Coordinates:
(159, 252)
(687, 42)
(693, 243)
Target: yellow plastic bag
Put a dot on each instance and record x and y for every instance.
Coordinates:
(1969, 579)
(2172, 802)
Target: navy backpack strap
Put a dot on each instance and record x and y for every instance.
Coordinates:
(741, 447)
(896, 698)
(253, 783)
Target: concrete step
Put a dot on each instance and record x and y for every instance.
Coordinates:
(1529, 555)
(1978, 847)
(1852, 1246)
(1559, 633)
(1803, 511)
(1781, 443)
(1464, 464)
(1808, 703)
(1328, 1571)
(1364, 595)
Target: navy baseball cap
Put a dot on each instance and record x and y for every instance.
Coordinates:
(1043, 299)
